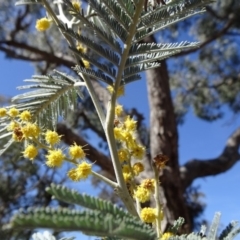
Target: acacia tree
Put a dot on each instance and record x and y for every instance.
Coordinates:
(206, 89)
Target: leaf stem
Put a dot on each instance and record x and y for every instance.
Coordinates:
(122, 189)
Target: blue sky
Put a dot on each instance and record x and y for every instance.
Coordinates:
(198, 139)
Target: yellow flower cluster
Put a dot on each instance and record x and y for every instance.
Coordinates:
(166, 236)
(145, 190)
(120, 91)
(43, 24)
(130, 150)
(24, 130)
(148, 215)
(76, 5)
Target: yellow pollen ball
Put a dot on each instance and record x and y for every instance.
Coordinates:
(52, 137)
(148, 184)
(3, 112)
(123, 155)
(138, 152)
(138, 168)
(120, 91)
(76, 5)
(130, 124)
(83, 170)
(166, 236)
(73, 175)
(126, 169)
(13, 112)
(76, 152)
(55, 158)
(148, 215)
(81, 48)
(30, 130)
(30, 152)
(86, 63)
(25, 116)
(43, 24)
(142, 194)
(118, 133)
(13, 125)
(127, 177)
(118, 110)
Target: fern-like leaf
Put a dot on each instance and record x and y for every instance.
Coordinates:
(109, 20)
(71, 196)
(97, 75)
(49, 98)
(93, 24)
(230, 231)
(90, 222)
(160, 18)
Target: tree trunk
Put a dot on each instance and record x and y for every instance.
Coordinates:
(164, 140)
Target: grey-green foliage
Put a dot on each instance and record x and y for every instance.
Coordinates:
(104, 219)
(84, 200)
(114, 23)
(209, 80)
(101, 219)
(228, 233)
(50, 97)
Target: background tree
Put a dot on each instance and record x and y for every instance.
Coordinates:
(205, 84)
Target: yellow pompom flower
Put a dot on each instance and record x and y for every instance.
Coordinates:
(127, 177)
(149, 184)
(73, 175)
(76, 5)
(43, 24)
(130, 124)
(138, 168)
(55, 158)
(118, 134)
(81, 48)
(125, 168)
(123, 155)
(13, 125)
(30, 152)
(142, 194)
(129, 139)
(52, 137)
(118, 110)
(120, 91)
(3, 112)
(25, 116)
(166, 236)
(86, 63)
(76, 152)
(82, 171)
(148, 215)
(30, 130)
(138, 152)
(13, 112)
(17, 134)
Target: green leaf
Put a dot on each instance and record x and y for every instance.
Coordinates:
(97, 75)
(90, 222)
(162, 17)
(71, 196)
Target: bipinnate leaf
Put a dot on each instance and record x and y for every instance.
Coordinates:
(93, 223)
(47, 98)
(71, 196)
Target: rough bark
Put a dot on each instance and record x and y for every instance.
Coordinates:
(164, 140)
